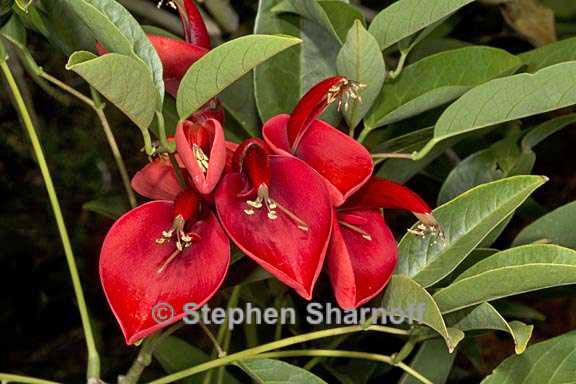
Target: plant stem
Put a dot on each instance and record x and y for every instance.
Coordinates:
(344, 354)
(93, 371)
(6, 377)
(98, 106)
(144, 357)
(177, 171)
(393, 155)
(276, 345)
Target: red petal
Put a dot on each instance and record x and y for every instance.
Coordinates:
(157, 181)
(176, 56)
(129, 262)
(311, 105)
(359, 268)
(342, 161)
(204, 182)
(294, 256)
(382, 193)
(194, 26)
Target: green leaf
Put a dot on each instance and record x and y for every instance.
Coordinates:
(282, 80)
(223, 65)
(506, 99)
(403, 292)
(466, 220)
(437, 80)
(335, 16)
(541, 132)
(502, 159)
(238, 99)
(549, 54)
(486, 317)
(360, 60)
(406, 17)
(268, 371)
(433, 361)
(3, 55)
(510, 272)
(119, 32)
(516, 310)
(555, 227)
(125, 81)
(175, 354)
(549, 362)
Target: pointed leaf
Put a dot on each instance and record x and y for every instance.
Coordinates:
(124, 81)
(224, 65)
(406, 17)
(549, 362)
(437, 80)
(466, 220)
(268, 371)
(485, 316)
(506, 99)
(360, 60)
(405, 293)
(119, 32)
(511, 272)
(556, 227)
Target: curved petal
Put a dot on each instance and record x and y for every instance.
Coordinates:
(293, 255)
(176, 56)
(130, 259)
(382, 193)
(204, 182)
(359, 267)
(157, 181)
(194, 27)
(342, 161)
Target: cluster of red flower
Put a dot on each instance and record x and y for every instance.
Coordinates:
(302, 194)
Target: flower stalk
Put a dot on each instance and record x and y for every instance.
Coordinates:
(93, 371)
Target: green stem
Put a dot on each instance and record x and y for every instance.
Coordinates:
(401, 63)
(364, 134)
(276, 345)
(6, 377)
(98, 106)
(344, 354)
(333, 344)
(177, 171)
(144, 357)
(93, 371)
(393, 155)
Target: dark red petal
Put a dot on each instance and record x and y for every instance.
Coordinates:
(294, 256)
(157, 181)
(382, 193)
(176, 56)
(342, 161)
(360, 268)
(204, 182)
(194, 26)
(310, 106)
(130, 259)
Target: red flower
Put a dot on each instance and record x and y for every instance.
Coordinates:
(157, 180)
(343, 162)
(277, 210)
(162, 252)
(177, 55)
(202, 148)
(363, 251)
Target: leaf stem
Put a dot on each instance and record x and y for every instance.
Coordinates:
(98, 106)
(344, 354)
(93, 371)
(7, 377)
(393, 155)
(276, 345)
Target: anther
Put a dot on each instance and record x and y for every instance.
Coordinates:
(201, 158)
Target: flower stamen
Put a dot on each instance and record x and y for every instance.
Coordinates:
(427, 224)
(356, 229)
(183, 239)
(344, 92)
(263, 199)
(201, 158)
